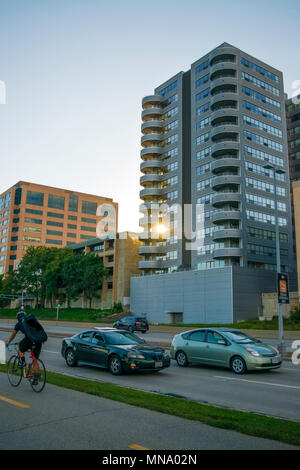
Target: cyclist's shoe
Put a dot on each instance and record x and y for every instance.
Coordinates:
(36, 378)
(21, 362)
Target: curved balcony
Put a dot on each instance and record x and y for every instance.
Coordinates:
(225, 216)
(146, 206)
(223, 113)
(152, 101)
(226, 234)
(225, 53)
(220, 199)
(224, 147)
(225, 131)
(223, 66)
(151, 126)
(218, 83)
(151, 264)
(225, 180)
(149, 139)
(227, 252)
(148, 192)
(223, 72)
(152, 113)
(151, 152)
(225, 164)
(150, 164)
(224, 97)
(152, 250)
(150, 178)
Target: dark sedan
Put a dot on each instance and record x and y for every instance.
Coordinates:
(117, 350)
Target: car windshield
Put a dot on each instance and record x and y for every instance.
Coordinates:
(122, 338)
(140, 319)
(240, 337)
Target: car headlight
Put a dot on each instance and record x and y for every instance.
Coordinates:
(166, 354)
(252, 352)
(133, 355)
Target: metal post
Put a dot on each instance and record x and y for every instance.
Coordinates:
(280, 319)
(281, 346)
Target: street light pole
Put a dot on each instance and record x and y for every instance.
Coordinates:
(277, 170)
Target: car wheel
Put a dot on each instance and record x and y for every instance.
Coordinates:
(238, 365)
(181, 359)
(115, 365)
(144, 331)
(70, 358)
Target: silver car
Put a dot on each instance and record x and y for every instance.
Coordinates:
(224, 347)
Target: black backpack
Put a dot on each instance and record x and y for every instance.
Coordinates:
(34, 330)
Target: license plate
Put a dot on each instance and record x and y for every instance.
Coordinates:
(158, 364)
(275, 360)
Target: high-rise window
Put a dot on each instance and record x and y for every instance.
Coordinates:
(56, 202)
(89, 207)
(73, 203)
(35, 198)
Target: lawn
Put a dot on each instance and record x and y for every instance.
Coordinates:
(65, 314)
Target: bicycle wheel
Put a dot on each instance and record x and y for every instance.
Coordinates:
(37, 381)
(14, 371)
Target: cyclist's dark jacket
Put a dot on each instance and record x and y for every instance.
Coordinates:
(20, 327)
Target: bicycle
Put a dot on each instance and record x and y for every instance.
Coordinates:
(16, 370)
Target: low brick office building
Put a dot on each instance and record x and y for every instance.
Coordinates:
(120, 256)
(37, 215)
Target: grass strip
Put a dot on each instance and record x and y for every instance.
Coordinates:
(247, 423)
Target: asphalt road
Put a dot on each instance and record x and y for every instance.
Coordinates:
(61, 419)
(274, 393)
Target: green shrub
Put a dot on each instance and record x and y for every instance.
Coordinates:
(295, 315)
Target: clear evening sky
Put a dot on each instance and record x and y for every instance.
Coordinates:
(76, 71)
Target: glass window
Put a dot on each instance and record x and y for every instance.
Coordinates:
(98, 339)
(54, 232)
(90, 221)
(89, 207)
(86, 336)
(18, 196)
(56, 202)
(55, 224)
(54, 242)
(73, 203)
(35, 198)
(72, 217)
(214, 337)
(198, 336)
(32, 221)
(55, 214)
(7, 200)
(33, 211)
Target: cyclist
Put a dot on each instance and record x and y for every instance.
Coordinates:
(25, 344)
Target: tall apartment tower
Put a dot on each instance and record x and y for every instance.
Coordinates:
(208, 136)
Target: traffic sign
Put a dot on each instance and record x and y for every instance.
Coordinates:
(283, 288)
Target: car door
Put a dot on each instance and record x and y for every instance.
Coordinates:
(83, 345)
(99, 350)
(216, 351)
(124, 323)
(195, 346)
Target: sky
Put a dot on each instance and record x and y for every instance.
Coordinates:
(76, 71)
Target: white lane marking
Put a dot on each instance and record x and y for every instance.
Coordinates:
(256, 382)
(52, 352)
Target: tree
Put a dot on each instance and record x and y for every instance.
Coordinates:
(72, 276)
(93, 273)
